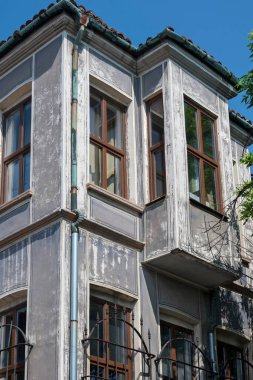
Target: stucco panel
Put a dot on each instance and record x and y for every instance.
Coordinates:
(14, 220)
(113, 264)
(152, 81)
(111, 73)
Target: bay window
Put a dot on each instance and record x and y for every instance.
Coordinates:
(107, 144)
(203, 167)
(16, 151)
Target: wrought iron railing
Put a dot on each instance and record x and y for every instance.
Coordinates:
(182, 359)
(116, 358)
(14, 352)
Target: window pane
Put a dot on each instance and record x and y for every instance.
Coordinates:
(118, 335)
(156, 122)
(95, 165)
(113, 173)
(12, 133)
(210, 186)
(96, 314)
(27, 124)
(113, 375)
(12, 180)
(114, 126)
(96, 116)
(20, 376)
(5, 340)
(96, 372)
(191, 122)
(26, 172)
(194, 177)
(159, 173)
(21, 323)
(208, 136)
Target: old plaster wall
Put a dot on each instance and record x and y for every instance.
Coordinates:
(112, 264)
(14, 267)
(15, 219)
(43, 303)
(46, 146)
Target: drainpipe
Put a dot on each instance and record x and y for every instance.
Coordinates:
(212, 326)
(80, 216)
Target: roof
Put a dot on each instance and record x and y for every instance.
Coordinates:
(241, 121)
(97, 24)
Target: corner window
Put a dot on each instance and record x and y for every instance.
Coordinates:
(107, 144)
(110, 356)
(156, 147)
(203, 164)
(16, 151)
(12, 343)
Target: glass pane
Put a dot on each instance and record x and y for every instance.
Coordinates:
(26, 172)
(156, 122)
(5, 340)
(21, 323)
(191, 122)
(210, 186)
(95, 165)
(208, 136)
(194, 178)
(96, 116)
(27, 124)
(114, 126)
(159, 173)
(118, 336)
(96, 372)
(20, 376)
(113, 375)
(96, 314)
(113, 173)
(12, 133)
(12, 180)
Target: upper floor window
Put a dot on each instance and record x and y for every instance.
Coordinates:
(230, 362)
(16, 151)
(12, 343)
(156, 147)
(107, 144)
(202, 157)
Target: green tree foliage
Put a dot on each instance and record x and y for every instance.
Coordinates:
(246, 82)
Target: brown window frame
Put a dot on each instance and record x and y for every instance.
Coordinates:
(203, 158)
(13, 367)
(18, 154)
(108, 148)
(225, 361)
(153, 149)
(105, 362)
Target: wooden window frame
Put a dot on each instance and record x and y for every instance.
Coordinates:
(13, 366)
(18, 154)
(203, 158)
(152, 150)
(108, 148)
(105, 362)
(225, 359)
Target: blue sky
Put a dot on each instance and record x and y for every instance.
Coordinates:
(219, 26)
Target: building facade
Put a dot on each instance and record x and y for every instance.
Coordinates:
(122, 252)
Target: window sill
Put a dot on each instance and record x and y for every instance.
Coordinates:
(156, 200)
(114, 199)
(13, 202)
(218, 214)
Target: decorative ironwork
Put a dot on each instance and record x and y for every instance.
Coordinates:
(14, 350)
(182, 359)
(118, 351)
(236, 369)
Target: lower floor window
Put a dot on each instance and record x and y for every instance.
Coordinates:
(12, 343)
(230, 362)
(177, 357)
(110, 355)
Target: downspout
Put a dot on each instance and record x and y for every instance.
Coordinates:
(80, 216)
(211, 333)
